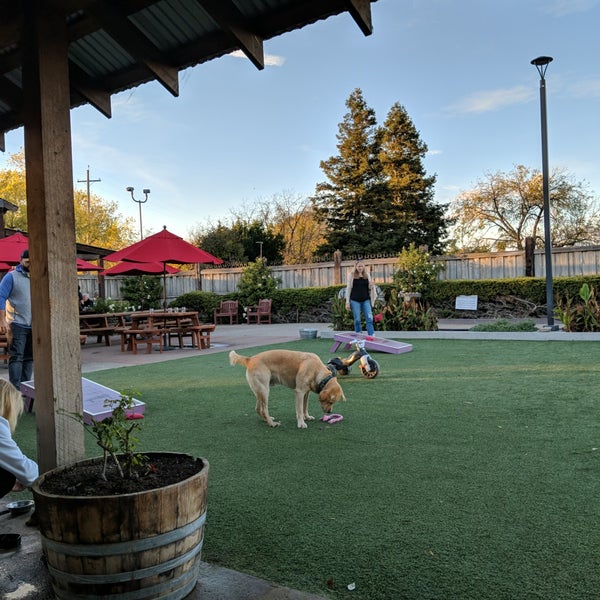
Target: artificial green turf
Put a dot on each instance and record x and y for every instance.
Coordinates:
(467, 470)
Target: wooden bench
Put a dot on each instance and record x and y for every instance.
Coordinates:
(99, 332)
(96, 324)
(203, 335)
(131, 338)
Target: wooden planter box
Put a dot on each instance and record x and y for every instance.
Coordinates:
(140, 545)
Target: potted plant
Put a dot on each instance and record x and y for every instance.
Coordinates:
(125, 524)
(414, 272)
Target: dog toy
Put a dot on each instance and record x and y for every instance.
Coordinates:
(332, 418)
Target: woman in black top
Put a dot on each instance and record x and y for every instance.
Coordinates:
(359, 293)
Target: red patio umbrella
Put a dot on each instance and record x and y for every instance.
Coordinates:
(11, 248)
(84, 265)
(164, 247)
(5, 266)
(149, 268)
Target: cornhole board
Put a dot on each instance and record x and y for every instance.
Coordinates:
(95, 396)
(375, 343)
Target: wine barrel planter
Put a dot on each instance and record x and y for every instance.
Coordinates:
(138, 546)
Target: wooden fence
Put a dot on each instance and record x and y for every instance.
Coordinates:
(566, 262)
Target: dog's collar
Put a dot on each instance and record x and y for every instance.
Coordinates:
(324, 382)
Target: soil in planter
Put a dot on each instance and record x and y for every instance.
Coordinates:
(84, 479)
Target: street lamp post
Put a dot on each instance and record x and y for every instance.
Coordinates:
(139, 203)
(541, 64)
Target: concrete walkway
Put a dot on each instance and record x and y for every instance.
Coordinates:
(97, 357)
(22, 574)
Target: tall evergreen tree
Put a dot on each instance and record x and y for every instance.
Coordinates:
(346, 202)
(378, 198)
(407, 194)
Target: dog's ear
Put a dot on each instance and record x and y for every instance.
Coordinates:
(332, 392)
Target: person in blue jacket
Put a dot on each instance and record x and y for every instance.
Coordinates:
(17, 472)
(15, 319)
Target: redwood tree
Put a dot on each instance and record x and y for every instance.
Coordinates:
(378, 198)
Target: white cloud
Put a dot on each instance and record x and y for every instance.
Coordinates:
(491, 100)
(589, 88)
(129, 106)
(561, 8)
(271, 60)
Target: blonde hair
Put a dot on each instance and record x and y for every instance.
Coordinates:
(364, 274)
(11, 403)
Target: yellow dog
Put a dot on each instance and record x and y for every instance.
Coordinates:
(303, 372)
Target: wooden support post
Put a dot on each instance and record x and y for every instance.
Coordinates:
(337, 267)
(51, 224)
(529, 257)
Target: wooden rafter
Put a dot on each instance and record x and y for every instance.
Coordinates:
(231, 20)
(135, 43)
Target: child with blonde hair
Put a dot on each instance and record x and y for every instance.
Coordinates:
(16, 470)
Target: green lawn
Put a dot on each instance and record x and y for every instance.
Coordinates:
(467, 470)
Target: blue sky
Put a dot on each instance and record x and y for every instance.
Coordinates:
(461, 68)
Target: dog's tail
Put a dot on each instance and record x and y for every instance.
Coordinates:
(238, 359)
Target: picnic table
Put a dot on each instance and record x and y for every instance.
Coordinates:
(162, 326)
(96, 324)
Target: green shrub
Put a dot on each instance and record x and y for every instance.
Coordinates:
(256, 282)
(532, 289)
(414, 270)
(504, 325)
(583, 315)
(317, 304)
(342, 317)
(203, 303)
(108, 305)
(414, 315)
(142, 292)
(304, 298)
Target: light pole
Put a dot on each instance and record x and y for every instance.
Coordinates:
(541, 64)
(139, 202)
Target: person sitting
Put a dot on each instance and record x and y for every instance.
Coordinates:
(85, 303)
(17, 472)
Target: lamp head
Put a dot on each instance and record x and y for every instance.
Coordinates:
(129, 189)
(540, 61)
(146, 191)
(541, 64)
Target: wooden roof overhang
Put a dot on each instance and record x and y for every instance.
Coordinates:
(119, 44)
(58, 54)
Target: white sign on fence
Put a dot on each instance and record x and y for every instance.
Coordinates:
(466, 302)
